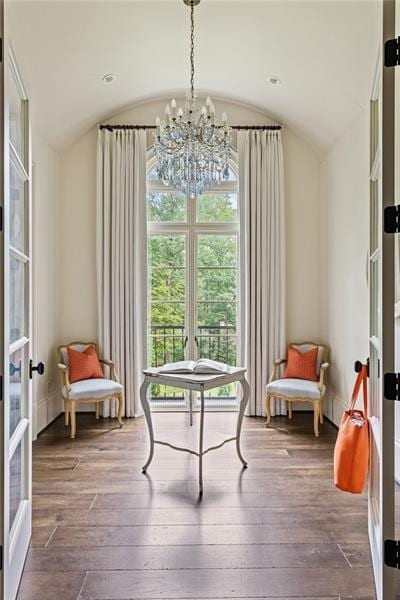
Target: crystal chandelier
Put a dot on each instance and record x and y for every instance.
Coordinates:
(192, 148)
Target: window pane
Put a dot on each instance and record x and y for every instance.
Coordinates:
(17, 206)
(216, 346)
(166, 250)
(167, 313)
(166, 206)
(16, 119)
(217, 251)
(15, 482)
(216, 314)
(166, 344)
(16, 398)
(167, 283)
(217, 208)
(152, 175)
(17, 299)
(216, 284)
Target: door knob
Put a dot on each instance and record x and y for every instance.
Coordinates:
(39, 368)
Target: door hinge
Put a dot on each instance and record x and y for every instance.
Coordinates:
(392, 386)
(392, 56)
(1, 558)
(1, 388)
(1, 218)
(1, 50)
(392, 553)
(391, 219)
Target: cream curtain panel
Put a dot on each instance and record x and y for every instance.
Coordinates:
(121, 258)
(263, 335)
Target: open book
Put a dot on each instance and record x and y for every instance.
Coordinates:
(203, 366)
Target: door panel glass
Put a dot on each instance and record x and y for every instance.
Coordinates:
(216, 284)
(16, 482)
(217, 208)
(17, 209)
(17, 119)
(17, 299)
(16, 388)
(167, 318)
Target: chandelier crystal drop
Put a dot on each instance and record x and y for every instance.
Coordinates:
(191, 146)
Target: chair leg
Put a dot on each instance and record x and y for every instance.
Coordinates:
(289, 409)
(120, 408)
(97, 410)
(316, 417)
(268, 408)
(73, 420)
(321, 411)
(66, 412)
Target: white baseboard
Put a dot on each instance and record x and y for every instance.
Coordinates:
(46, 410)
(334, 408)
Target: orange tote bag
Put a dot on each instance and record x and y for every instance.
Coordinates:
(352, 445)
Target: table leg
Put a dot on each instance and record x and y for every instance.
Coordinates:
(191, 407)
(201, 443)
(242, 408)
(147, 413)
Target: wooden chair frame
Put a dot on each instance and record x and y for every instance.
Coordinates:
(316, 402)
(70, 403)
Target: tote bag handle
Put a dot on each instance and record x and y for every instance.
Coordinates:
(361, 378)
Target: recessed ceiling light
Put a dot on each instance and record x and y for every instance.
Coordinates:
(274, 80)
(107, 79)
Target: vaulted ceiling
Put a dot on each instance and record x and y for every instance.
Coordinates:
(323, 52)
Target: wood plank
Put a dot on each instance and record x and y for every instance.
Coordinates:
(187, 557)
(229, 583)
(295, 499)
(197, 515)
(210, 534)
(51, 586)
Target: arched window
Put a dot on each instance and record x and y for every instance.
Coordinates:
(193, 264)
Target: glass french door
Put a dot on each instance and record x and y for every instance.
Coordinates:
(381, 500)
(16, 407)
(193, 265)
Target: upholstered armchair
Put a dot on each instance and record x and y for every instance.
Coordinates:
(93, 391)
(300, 390)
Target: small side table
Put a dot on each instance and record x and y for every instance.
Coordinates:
(198, 383)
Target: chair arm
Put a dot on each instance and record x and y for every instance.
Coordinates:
(113, 370)
(277, 363)
(65, 376)
(324, 367)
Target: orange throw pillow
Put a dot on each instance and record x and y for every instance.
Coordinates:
(301, 365)
(84, 365)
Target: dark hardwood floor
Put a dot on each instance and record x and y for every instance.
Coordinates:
(102, 530)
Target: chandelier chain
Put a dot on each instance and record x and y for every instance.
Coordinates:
(192, 49)
(193, 148)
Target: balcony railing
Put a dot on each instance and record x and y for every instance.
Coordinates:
(167, 344)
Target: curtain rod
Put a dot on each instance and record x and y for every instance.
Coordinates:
(237, 127)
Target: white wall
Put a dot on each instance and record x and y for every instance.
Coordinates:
(304, 262)
(345, 199)
(46, 279)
